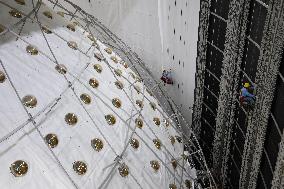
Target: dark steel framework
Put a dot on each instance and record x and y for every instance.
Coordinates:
(240, 40)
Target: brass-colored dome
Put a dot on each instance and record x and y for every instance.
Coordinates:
(119, 84)
(123, 170)
(116, 102)
(51, 140)
(71, 27)
(132, 75)
(172, 186)
(174, 163)
(185, 157)
(19, 168)
(48, 14)
(173, 140)
(99, 56)
(157, 143)
(188, 184)
(72, 45)
(20, 2)
(114, 59)
(134, 143)
(76, 23)
(110, 119)
(80, 167)
(32, 50)
(153, 105)
(139, 103)
(108, 50)
(94, 83)
(138, 79)
(97, 144)
(2, 28)
(98, 68)
(125, 65)
(71, 119)
(92, 38)
(29, 101)
(139, 123)
(46, 30)
(86, 98)
(137, 88)
(15, 13)
(61, 13)
(167, 123)
(61, 68)
(157, 121)
(118, 72)
(155, 165)
(2, 77)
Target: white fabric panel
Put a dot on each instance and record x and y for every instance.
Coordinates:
(148, 28)
(36, 75)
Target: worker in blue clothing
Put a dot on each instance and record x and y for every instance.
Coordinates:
(247, 98)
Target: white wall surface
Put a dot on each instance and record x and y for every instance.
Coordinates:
(164, 34)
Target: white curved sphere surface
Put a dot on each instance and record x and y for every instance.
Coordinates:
(23, 129)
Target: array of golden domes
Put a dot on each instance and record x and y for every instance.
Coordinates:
(20, 168)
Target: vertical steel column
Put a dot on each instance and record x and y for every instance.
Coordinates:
(267, 70)
(233, 53)
(200, 63)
